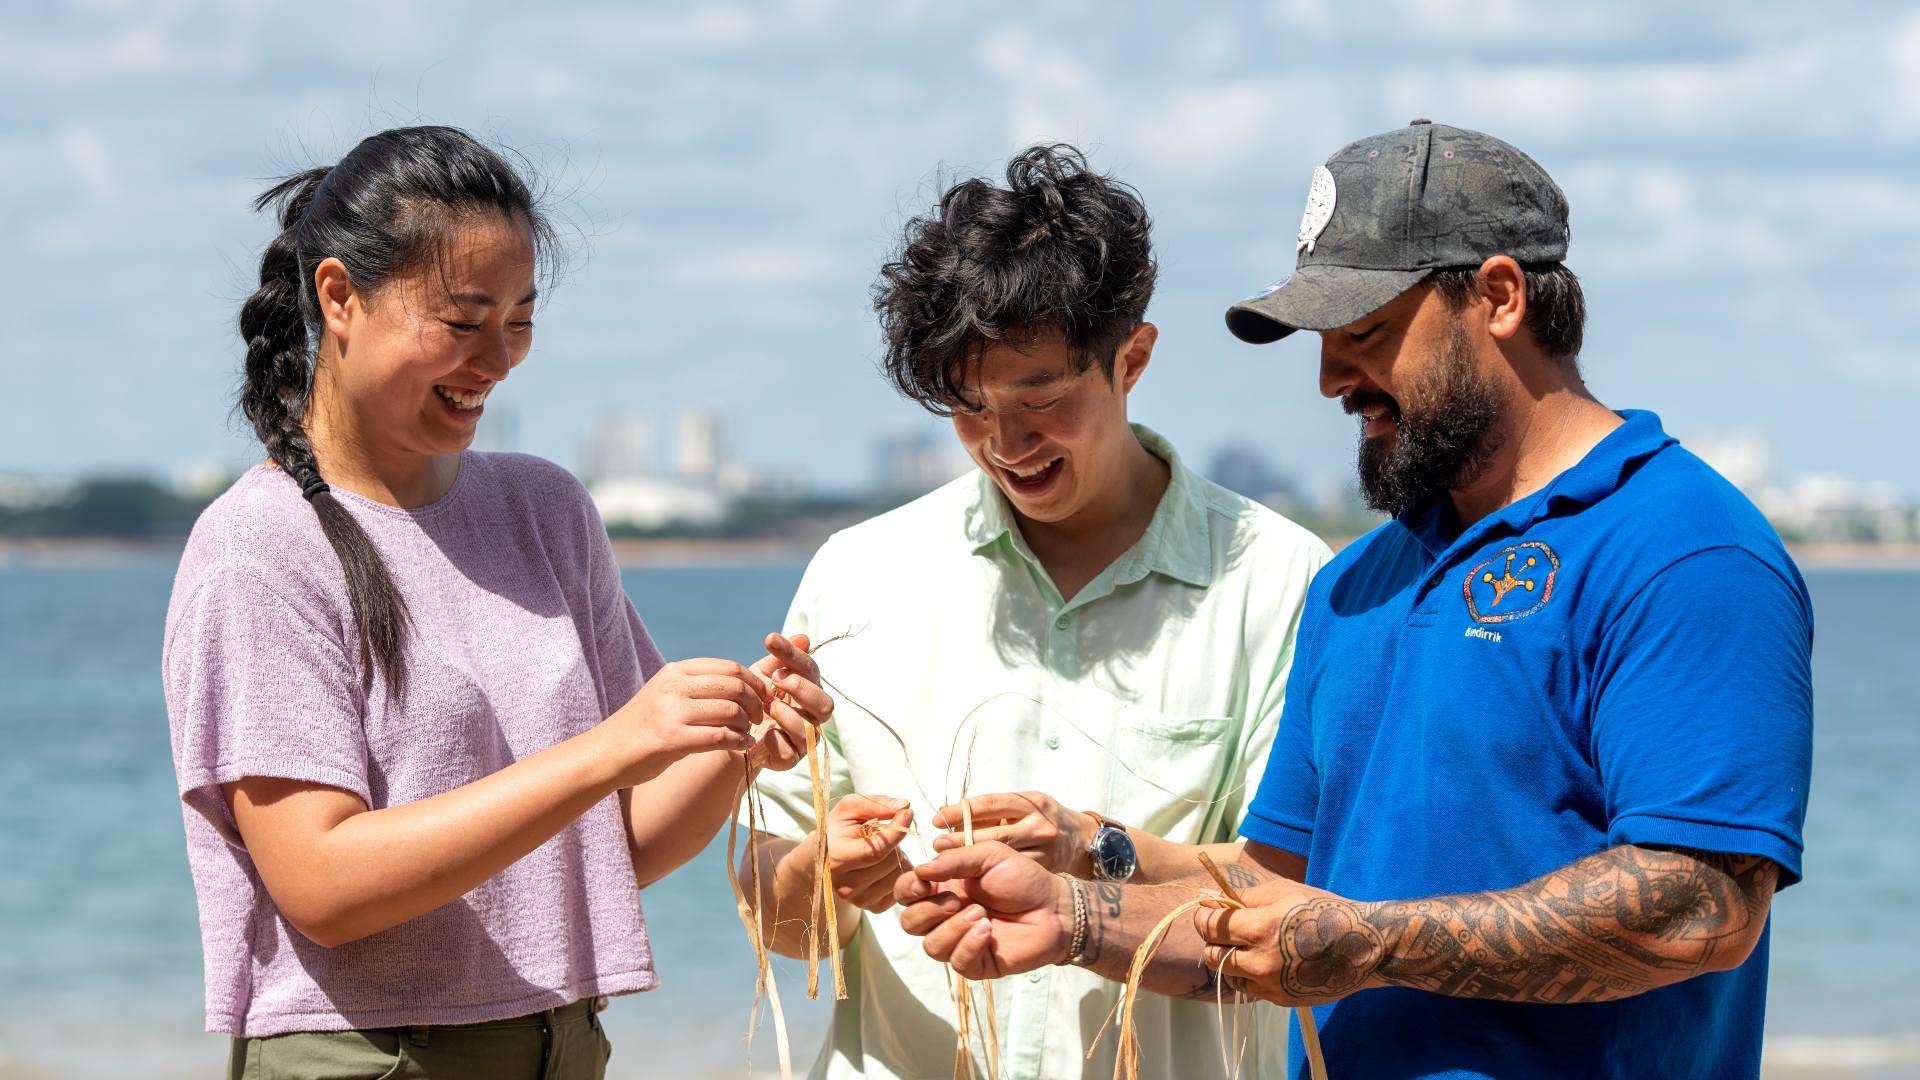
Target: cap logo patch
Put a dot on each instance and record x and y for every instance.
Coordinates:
(1319, 209)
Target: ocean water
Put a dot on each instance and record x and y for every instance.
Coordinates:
(99, 946)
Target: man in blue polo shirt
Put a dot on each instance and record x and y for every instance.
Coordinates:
(1544, 758)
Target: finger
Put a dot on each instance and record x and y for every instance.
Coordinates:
(1000, 806)
(855, 808)
(920, 917)
(704, 712)
(858, 879)
(911, 888)
(724, 688)
(716, 737)
(964, 863)
(1228, 926)
(776, 751)
(943, 939)
(973, 953)
(788, 721)
(1010, 835)
(1245, 971)
(707, 666)
(792, 655)
(874, 898)
(817, 703)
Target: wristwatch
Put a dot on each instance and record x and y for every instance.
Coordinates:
(1111, 852)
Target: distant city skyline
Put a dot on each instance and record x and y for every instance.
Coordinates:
(1746, 201)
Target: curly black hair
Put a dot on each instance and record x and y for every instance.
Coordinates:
(1061, 247)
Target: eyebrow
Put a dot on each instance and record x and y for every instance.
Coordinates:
(1038, 378)
(483, 300)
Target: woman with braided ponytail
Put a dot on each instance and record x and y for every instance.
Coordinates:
(428, 753)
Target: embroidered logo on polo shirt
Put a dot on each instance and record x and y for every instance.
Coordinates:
(1514, 584)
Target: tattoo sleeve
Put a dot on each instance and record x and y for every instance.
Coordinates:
(1609, 926)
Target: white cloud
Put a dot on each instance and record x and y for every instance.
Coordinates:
(87, 157)
(1903, 62)
(761, 265)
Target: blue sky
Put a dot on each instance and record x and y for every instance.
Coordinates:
(1746, 203)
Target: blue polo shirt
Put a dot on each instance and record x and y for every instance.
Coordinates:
(1623, 657)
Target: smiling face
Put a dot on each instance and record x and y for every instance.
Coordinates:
(1429, 399)
(407, 370)
(1054, 439)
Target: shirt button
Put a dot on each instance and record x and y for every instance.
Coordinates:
(1053, 742)
(1060, 623)
(1036, 976)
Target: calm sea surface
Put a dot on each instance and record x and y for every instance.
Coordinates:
(99, 945)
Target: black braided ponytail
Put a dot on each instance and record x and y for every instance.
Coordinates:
(394, 203)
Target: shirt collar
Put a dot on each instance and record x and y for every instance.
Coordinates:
(1603, 471)
(1178, 541)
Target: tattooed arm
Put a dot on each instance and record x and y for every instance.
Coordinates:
(1619, 923)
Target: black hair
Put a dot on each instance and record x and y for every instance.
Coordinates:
(1556, 308)
(393, 204)
(1060, 247)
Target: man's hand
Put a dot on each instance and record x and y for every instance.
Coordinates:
(797, 700)
(988, 910)
(1292, 945)
(1030, 822)
(863, 835)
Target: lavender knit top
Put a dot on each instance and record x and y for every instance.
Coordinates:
(521, 637)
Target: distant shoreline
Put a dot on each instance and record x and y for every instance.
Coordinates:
(80, 552)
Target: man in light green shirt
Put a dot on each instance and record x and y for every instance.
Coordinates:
(1083, 637)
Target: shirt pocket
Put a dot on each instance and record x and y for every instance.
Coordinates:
(1169, 769)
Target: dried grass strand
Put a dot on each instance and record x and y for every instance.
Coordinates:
(1309, 1030)
(764, 984)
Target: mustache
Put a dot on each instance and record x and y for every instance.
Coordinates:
(1353, 403)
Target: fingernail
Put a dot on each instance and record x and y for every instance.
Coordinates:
(976, 913)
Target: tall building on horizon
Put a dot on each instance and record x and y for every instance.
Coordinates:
(697, 444)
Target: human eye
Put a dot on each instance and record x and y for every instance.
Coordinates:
(461, 327)
(1362, 335)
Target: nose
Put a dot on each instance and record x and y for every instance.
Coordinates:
(495, 356)
(1011, 438)
(1338, 375)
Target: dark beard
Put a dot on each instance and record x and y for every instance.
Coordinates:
(1447, 430)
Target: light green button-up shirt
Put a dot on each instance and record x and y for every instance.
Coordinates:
(1170, 665)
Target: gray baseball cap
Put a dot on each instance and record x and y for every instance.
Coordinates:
(1386, 211)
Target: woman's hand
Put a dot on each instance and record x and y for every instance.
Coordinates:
(797, 701)
(863, 835)
(1030, 822)
(688, 707)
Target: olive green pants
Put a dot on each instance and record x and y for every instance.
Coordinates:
(558, 1044)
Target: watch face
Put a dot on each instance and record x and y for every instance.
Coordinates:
(1113, 853)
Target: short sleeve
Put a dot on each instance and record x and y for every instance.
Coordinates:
(1703, 716)
(1267, 690)
(625, 649)
(257, 687)
(786, 798)
(1287, 801)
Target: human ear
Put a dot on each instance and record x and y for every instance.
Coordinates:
(1504, 286)
(1130, 360)
(333, 292)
